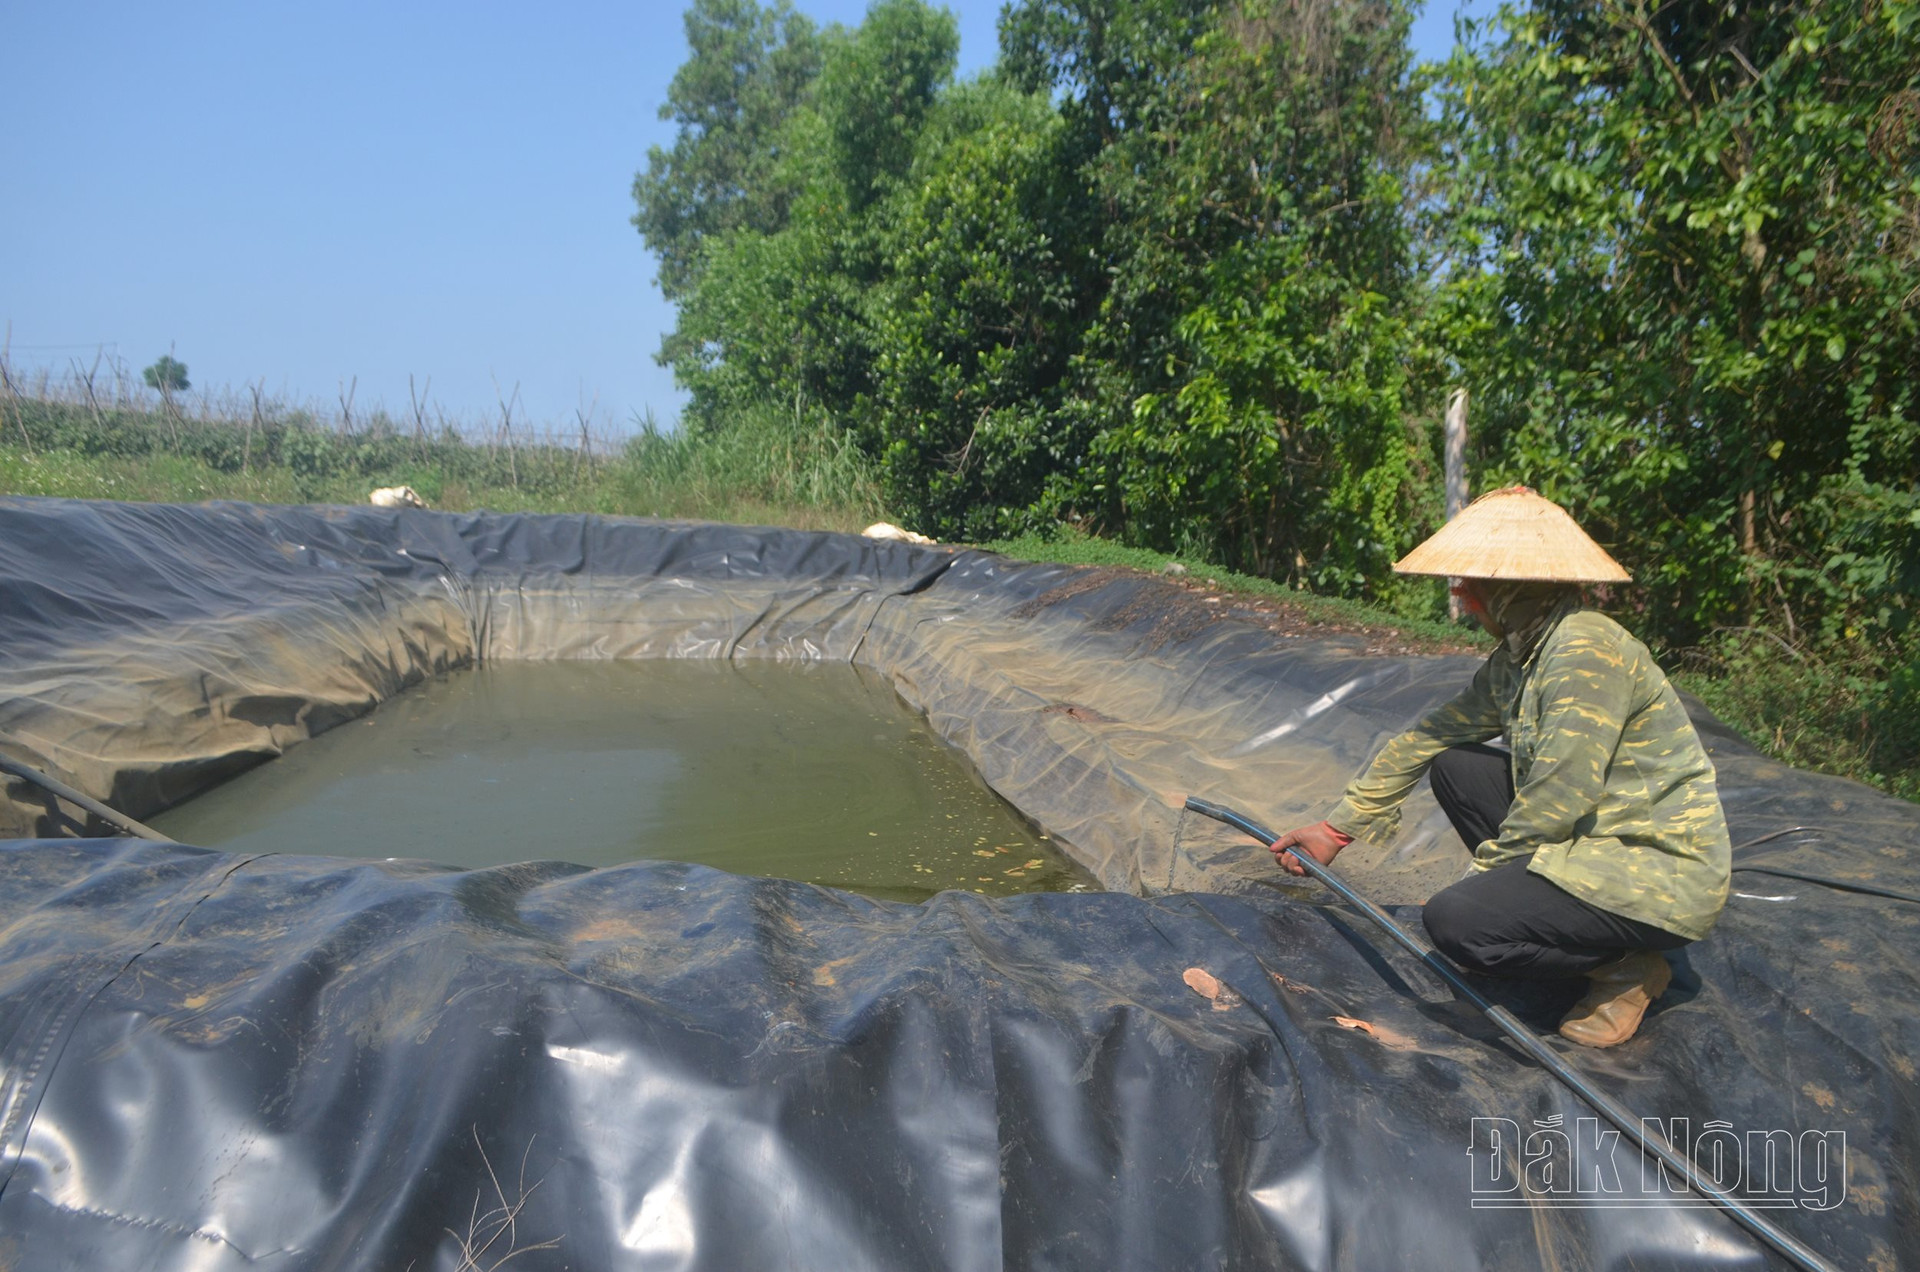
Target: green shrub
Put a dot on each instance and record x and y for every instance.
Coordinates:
(1850, 709)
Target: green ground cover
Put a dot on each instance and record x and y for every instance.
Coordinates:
(761, 471)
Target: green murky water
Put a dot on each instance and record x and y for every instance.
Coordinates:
(814, 772)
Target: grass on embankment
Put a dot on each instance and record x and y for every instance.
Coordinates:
(1070, 547)
(763, 473)
(1851, 712)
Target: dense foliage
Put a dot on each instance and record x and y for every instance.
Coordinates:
(1687, 295)
(1251, 384)
(1693, 244)
(1198, 275)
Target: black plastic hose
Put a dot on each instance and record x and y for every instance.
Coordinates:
(85, 801)
(1825, 881)
(1552, 1061)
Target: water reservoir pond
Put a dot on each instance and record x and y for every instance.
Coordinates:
(815, 772)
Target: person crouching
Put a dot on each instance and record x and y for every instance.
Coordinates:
(1597, 837)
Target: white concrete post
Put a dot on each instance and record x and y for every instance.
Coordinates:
(1456, 463)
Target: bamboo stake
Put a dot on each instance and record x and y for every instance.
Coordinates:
(586, 443)
(168, 409)
(86, 379)
(419, 405)
(506, 428)
(253, 421)
(13, 394)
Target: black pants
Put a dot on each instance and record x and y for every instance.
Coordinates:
(1507, 921)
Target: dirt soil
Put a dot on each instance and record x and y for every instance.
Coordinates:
(1203, 602)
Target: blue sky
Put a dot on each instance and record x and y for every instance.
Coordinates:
(315, 195)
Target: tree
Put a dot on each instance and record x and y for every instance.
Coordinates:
(1688, 257)
(1197, 272)
(876, 90)
(167, 375)
(772, 305)
(750, 67)
(992, 262)
(1109, 60)
(1250, 377)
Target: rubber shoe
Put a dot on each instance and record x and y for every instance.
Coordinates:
(1620, 993)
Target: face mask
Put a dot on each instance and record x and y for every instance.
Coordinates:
(1523, 609)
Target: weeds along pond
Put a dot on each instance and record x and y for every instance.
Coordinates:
(816, 772)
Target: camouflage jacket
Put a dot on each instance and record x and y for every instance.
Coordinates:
(1614, 796)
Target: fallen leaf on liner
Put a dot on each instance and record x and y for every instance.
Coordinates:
(1202, 982)
(1207, 985)
(1385, 1037)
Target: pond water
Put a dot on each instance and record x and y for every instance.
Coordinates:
(815, 772)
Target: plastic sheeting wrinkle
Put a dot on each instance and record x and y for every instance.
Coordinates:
(1318, 707)
(1296, 1207)
(53, 1043)
(587, 1058)
(913, 589)
(161, 1225)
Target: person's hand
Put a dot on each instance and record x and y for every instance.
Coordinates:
(1319, 841)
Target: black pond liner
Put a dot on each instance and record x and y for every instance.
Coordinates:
(222, 1061)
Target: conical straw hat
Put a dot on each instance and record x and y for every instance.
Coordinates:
(1513, 534)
